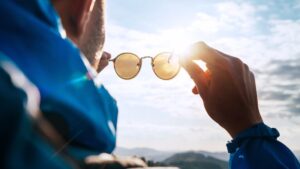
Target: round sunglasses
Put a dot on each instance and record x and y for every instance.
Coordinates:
(128, 65)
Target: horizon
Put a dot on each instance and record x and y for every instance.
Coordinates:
(165, 115)
(179, 151)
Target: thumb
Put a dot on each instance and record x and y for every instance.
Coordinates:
(198, 76)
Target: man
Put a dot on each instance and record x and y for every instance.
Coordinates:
(32, 37)
(86, 115)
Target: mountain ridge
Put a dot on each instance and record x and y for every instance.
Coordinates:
(159, 156)
(195, 160)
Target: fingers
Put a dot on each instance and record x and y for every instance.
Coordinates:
(195, 90)
(198, 76)
(103, 62)
(200, 51)
(105, 56)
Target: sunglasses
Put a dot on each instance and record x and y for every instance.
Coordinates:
(128, 65)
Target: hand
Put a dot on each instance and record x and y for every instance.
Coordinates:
(227, 89)
(103, 62)
(105, 161)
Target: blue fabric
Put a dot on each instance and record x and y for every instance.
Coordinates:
(29, 35)
(21, 145)
(257, 148)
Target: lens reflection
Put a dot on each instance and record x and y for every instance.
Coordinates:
(165, 66)
(127, 65)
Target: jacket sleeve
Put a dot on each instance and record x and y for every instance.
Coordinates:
(258, 148)
(111, 105)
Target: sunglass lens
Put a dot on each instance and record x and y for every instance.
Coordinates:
(127, 65)
(165, 66)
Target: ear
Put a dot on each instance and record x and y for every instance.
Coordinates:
(79, 13)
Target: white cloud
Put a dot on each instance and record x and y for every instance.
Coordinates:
(286, 36)
(240, 17)
(205, 23)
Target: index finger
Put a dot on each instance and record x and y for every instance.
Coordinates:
(201, 51)
(106, 55)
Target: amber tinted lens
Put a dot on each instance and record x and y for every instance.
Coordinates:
(127, 65)
(165, 67)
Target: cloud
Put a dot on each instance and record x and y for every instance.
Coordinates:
(282, 86)
(286, 69)
(228, 19)
(236, 16)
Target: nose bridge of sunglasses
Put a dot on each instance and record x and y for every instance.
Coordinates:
(144, 57)
(147, 57)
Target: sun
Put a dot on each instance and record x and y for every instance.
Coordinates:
(180, 47)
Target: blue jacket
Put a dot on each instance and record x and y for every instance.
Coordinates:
(22, 146)
(86, 114)
(258, 148)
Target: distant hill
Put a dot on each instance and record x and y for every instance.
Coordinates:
(182, 160)
(159, 156)
(218, 155)
(194, 160)
(149, 154)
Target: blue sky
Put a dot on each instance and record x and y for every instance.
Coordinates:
(165, 114)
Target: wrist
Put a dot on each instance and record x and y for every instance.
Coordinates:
(239, 125)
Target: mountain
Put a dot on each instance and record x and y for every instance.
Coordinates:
(149, 154)
(182, 160)
(218, 155)
(194, 160)
(158, 156)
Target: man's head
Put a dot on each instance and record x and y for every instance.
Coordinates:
(83, 21)
(73, 14)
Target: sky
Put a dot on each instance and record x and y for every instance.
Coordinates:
(165, 115)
